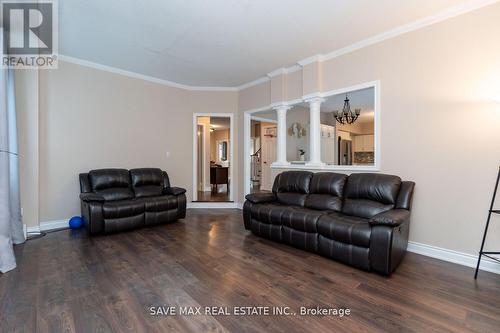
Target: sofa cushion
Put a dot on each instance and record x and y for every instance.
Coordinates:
(268, 213)
(291, 187)
(357, 256)
(116, 193)
(111, 184)
(302, 219)
(345, 229)
(301, 239)
(122, 208)
(326, 190)
(368, 194)
(160, 203)
(147, 182)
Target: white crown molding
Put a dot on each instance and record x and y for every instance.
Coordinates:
(253, 83)
(310, 60)
(419, 24)
(135, 75)
(293, 68)
(444, 15)
(280, 71)
(284, 71)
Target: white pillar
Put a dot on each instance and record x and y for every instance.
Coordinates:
(315, 131)
(281, 144)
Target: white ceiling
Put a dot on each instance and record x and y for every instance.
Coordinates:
(220, 123)
(224, 42)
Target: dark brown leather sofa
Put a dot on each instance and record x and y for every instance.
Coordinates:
(115, 200)
(362, 220)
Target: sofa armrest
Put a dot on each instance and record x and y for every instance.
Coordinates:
(260, 197)
(88, 197)
(391, 218)
(174, 190)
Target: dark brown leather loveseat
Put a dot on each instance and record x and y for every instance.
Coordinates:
(115, 200)
(362, 220)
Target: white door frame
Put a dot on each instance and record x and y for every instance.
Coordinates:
(247, 121)
(195, 154)
(268, 166)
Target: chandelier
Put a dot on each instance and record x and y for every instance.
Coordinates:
(346, 116)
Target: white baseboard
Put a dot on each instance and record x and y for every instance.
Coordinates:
(452, 256)
(455, 257)
(53, 225)
(212, 205)
(47, 226)
(32, 230)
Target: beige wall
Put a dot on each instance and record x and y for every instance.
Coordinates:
(439, 121)
(293, 144)
(26, 84)
(215, 136)
(95, 119)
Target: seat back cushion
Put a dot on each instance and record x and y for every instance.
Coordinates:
(147, 182)
(112, 184)
(326, 191)
(368, 194)
(291, 187)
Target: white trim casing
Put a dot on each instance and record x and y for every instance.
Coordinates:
(265, 120)
(231, 151)
(248, 115)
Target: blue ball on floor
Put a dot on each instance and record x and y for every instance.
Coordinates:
(76, 222)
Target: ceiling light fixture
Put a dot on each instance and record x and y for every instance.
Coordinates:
(346, 116)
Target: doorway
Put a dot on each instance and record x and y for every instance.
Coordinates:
(212, 157)
(262, 152)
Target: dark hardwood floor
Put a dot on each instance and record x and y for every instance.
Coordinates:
(220, 196)
(69, 282)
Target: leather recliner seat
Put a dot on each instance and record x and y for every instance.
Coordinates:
(361, 220)
(115, 200)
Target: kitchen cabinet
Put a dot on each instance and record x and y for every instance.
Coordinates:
(344, 135)
(364, 143)
(327, 144)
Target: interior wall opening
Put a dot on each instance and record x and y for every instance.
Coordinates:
(213, 159)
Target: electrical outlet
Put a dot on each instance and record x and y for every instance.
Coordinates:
(168, 154)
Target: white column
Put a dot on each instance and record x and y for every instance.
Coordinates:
(281, 145)
(315, 131)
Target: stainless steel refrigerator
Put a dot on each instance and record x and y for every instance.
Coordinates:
(345, 152)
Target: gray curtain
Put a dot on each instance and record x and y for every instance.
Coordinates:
(11, 226)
